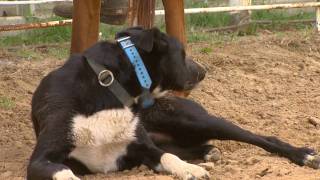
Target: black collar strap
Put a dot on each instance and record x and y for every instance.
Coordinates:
(106, 79)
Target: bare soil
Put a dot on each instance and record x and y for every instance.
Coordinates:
(269, 84)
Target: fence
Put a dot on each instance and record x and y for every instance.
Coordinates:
(161, 12)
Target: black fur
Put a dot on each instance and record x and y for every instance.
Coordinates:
(74, 89)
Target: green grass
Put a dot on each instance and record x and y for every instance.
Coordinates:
(60, 52)
(280, 15)
(109, 31)
(47, 36)
(207, 20)
(38, 36)
(279, 18)
(28, 54)
(212, 38)
(206, 50)
(6, 103)
(198, 22)
(50, 35)
(195, 23)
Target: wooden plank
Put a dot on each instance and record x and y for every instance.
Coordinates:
(244, 8)
(5, 3)
(12, 27)
(318, 18)
(174, 16)
(85, 26)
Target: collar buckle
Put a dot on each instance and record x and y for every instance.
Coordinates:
(105, 78)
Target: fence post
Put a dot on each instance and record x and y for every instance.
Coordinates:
(174, 17)
(318, 17)
(240, 18)
(85, 25)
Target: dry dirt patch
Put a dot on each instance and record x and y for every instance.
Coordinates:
(269, 84)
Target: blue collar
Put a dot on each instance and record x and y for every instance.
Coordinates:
(140, 69)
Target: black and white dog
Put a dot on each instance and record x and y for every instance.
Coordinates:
(83, 127)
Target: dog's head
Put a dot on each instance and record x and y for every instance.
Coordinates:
(163, 56)
(167, 64)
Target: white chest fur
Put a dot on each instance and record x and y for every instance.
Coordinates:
(102, 138)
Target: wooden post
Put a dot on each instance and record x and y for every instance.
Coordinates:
(174, 16)
(318, 17)
(141, 13)
(85, 26)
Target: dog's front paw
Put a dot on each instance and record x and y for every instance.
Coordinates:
(312, 161)
(182, 169)
(195, 172)
(65, 174)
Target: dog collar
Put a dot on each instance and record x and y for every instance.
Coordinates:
(106, 79)
(135, 59)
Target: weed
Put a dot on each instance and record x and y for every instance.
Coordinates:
(206, 50)
(6, 103)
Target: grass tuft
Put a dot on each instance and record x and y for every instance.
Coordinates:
(206, 50)
(6, 103)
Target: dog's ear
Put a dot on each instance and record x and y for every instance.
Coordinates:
(144, 39)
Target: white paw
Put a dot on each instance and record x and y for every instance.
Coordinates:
(213, 155)
(312, 161)
(65, 174)
(194, 172)
(182, 169)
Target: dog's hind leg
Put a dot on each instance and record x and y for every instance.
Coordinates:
(188, 124)
(217, 128)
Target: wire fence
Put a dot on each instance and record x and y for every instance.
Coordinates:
(162, 12)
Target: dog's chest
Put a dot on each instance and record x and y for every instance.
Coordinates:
(102, 138)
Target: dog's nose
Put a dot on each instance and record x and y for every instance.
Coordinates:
(196, 70)
(199, 70)
(201, 74)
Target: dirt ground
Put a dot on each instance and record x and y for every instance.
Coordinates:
(269, 84)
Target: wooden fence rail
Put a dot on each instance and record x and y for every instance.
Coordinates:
(186, 11)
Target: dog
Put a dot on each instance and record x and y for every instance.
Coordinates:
(84, 126)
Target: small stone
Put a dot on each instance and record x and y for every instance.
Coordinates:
(126, 171)
(264, 172)
(252, 161)
(143, 168)
(213, 155)
(301, 67)
(18, 144)
(229, 161)
(5, 175)
(314, 121)
(231, 169)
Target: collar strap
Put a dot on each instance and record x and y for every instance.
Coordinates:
(106, 79)
(135, 59)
